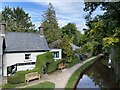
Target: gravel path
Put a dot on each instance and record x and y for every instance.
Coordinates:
(60, 78)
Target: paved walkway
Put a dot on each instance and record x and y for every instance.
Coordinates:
(60, 78)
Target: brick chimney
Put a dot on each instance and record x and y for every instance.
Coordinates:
(2, 28)
(41, 30)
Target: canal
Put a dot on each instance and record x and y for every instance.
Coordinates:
(99, 75)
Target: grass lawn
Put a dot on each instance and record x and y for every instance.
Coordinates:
(40, 86)
(74, 77)
(12, 85)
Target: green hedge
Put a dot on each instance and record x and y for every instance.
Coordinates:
(42, 60)
(54, 66)
(18, 77)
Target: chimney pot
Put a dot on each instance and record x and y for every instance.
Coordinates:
(41, 30)
(2, 27)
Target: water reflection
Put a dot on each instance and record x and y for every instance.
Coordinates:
(100, 76)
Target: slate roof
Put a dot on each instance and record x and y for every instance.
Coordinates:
(20, 41)
(1, 43)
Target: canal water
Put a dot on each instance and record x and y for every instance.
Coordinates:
(98, 76)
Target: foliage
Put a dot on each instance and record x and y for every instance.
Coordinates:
(79, 39)
(110, 41)
(50, 25)
(69, 29)
(54, 66)
(42, 60)
(18, 77)
(40, 86)
(49, 18)
(88, 47)
(17, 20)
(75, 60)
(53, 35)
(0, 17)
(66, 47)
(105, 29)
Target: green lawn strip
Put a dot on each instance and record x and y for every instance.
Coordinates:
(74, 77)
(40, 86)
(8, 85)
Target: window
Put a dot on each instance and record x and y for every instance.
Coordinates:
(27, 56)
(56, 54)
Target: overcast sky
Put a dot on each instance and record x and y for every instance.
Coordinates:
(66, 11)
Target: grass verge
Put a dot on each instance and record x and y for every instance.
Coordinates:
(9, 86)
(74, 77)
(40, 86)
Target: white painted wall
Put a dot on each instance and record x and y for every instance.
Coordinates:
(13, 58)
(25, 67)
(0, 69)
(60, 53)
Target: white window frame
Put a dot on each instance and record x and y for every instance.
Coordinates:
(29, 57)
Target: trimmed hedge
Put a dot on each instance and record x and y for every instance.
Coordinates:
(18, 77)
(42, 60)
(54, 66)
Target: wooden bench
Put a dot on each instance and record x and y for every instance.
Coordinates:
(61, 66)
(31, 76)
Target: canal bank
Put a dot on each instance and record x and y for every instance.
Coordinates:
(98, 75)
(74, 77)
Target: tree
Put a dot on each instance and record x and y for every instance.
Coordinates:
(69, 29)
(79, 39)
(17, 20)
(104, 28)
(49, 18)
(53, 35)
(0, 17)
(66, 47)
(50, 25)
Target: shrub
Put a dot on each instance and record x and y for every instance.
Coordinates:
(53, 66)
(42, 60)
(75, 60)
(18, 77)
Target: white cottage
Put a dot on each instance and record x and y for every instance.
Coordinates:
(21, 50)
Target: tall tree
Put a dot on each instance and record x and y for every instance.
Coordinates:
(104, 28)
(49, 18)
(69, 29)
(17, 20)
(66, 48)
(50, 25)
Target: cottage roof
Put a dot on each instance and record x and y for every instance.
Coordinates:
(20, 41)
